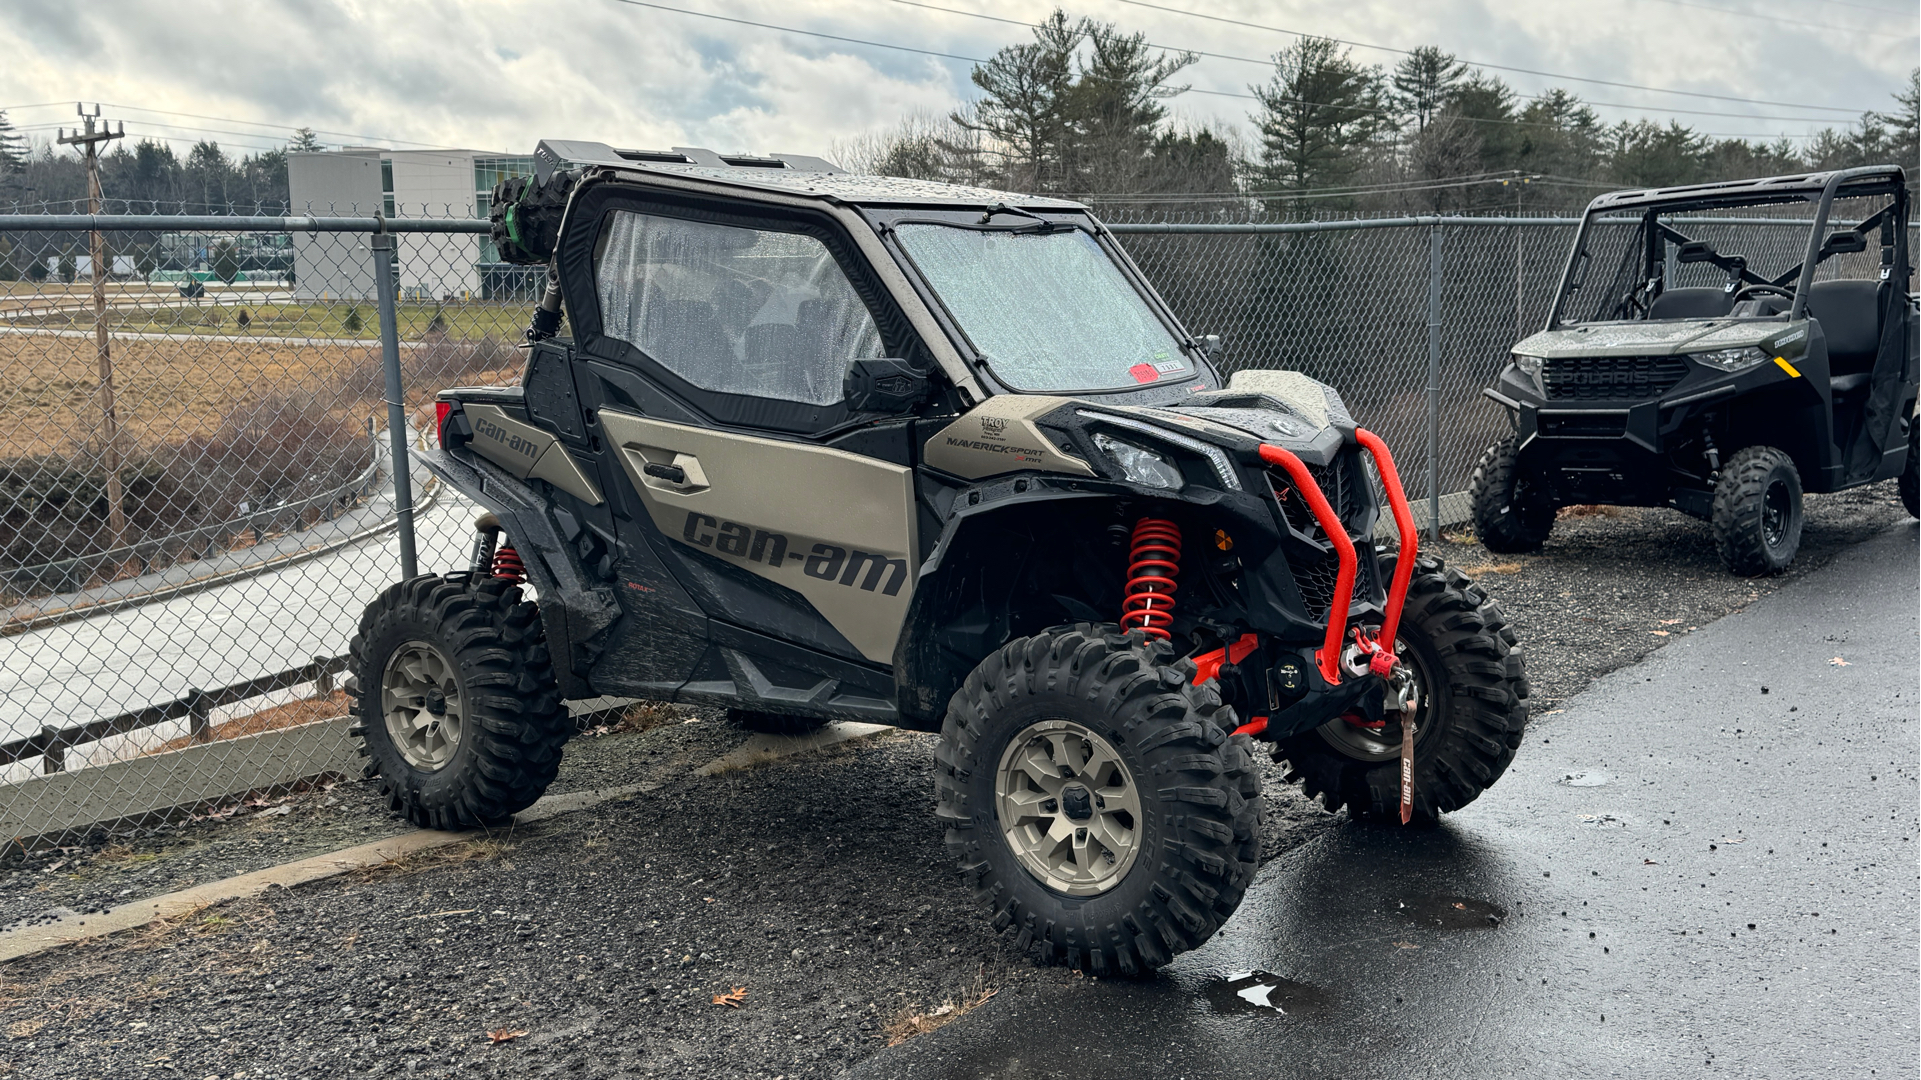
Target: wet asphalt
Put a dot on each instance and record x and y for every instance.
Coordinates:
(1704, 865)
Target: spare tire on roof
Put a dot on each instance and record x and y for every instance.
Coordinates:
(525, 216)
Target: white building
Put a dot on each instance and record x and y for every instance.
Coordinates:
(359, 181)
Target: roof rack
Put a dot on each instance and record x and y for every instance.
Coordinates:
(552, 154)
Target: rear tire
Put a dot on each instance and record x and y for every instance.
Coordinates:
(1170, 802)
(1757, 512)
(1511, 511)
(1910, 482)
(1469, 723)
(457, 707)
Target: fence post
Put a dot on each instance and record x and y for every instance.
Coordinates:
(383, 249)
(1434, 381)
(199, 720)
(323, 683)
(54, 758)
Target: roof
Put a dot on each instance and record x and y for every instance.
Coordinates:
(1759, 189)
(794, 174)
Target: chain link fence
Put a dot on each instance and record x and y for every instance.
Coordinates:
(198, 479)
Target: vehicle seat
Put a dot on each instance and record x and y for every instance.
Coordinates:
(1849, 312)
(1691, 304)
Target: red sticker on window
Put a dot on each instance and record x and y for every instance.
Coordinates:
(1144, 373)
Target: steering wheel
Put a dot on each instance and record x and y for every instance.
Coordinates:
(1778, 290)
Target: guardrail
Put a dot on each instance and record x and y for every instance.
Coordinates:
(51, 744)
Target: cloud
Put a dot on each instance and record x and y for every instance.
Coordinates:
(499, 75)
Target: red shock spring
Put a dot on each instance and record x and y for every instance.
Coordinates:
(1153, 563)
(507, 564)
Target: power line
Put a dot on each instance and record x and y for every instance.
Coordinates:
(807, 33)
(1494, 67)
(1769, 18)
(253, 123)
(1268, 62)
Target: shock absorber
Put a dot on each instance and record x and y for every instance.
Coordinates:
(507, 565)
(1153, 564)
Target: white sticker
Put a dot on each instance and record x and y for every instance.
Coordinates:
(1169, 367)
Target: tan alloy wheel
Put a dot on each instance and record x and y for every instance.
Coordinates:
(1068, 807)
(420, 700)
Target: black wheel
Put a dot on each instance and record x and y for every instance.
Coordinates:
(1512, 511)
(1470, 710)
(1757, 511)
(770, 723)
(1095, 800)
(457, 708)
(1910, 482)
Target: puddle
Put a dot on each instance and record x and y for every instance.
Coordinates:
(1590, 778)
(1264, 992)
(1449, 912)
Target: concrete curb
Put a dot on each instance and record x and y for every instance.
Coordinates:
(27, 941)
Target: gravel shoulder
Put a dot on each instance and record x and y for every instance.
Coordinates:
(818, 884)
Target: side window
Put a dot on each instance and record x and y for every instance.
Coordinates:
(734, 310)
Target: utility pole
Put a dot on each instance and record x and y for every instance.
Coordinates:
(110, 427)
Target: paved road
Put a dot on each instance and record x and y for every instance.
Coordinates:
(1693, 876)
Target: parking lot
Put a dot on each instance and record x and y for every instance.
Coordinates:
(596, 943)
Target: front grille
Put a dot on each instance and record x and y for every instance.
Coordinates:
(1342, 484)
(1591, 378)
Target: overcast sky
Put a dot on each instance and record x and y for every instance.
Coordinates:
(499, 75)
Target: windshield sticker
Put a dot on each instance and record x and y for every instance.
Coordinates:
(1144, 373)
(1170, 367)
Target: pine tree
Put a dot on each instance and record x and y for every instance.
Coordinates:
(1023, 106)
(304, 142)
(1319, 113)
(1422, 81)
(13, 147)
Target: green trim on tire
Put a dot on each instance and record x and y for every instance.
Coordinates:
(1196, 843)
(513, 723)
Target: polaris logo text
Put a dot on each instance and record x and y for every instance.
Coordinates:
(828, 562)
(506, 438)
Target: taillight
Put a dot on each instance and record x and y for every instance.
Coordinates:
(442, 410)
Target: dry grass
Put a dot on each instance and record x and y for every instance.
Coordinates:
(915, 1020)
(1588, 510)
(292, 714)
(483, 849)
(1513, 566)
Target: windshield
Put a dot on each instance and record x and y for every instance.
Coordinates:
(1046, 311)
(1689, 263)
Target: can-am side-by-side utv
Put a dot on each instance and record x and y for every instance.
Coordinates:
(828, 447)
(1719, 348)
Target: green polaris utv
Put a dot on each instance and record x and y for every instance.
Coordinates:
(823, 447)
(1721, 349)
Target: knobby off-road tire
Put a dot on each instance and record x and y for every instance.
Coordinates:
(478, 652)
(1511, 511)
(1757, 511)
(1088, 690)
(1468, 722)
(1910, 482)
(772, 723)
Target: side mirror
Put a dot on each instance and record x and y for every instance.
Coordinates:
(886, 385)
(1695, 251)
(1212, 348)
(1844, 243)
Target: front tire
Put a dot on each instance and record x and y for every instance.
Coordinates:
(1757, 512)
(1471, 714)
(1094, 799)
(457, 708)
(1512, 511)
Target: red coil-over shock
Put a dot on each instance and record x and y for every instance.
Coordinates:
(1153, 564)
(507, 565)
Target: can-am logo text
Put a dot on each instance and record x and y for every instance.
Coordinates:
(828, 562)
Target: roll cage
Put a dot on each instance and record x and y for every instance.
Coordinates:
(1822, 188)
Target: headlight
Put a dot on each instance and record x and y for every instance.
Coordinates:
(1139, 464)
(1528, 365)
(1731, 359)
